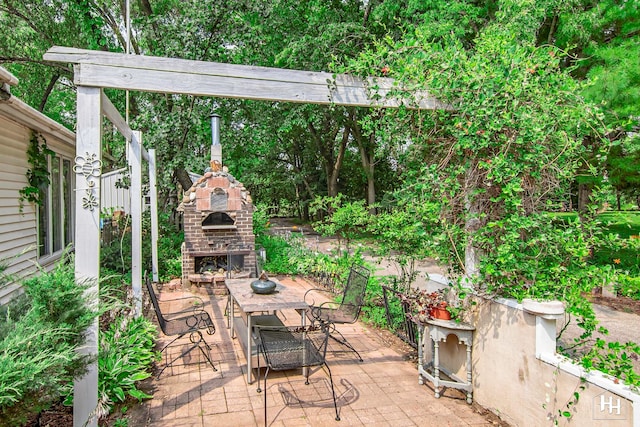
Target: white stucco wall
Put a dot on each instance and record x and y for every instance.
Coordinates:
(523, 389)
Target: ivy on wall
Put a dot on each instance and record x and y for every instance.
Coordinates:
(38, 174)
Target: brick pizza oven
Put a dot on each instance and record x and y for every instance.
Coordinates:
(218, 228)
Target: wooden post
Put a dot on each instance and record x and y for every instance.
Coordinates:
(135, 162)
(88, 165)
(154, 212)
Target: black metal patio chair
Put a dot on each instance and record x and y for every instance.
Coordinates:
(286, 348)
(191, 321)
(346, 310)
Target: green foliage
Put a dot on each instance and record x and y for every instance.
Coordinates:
(41, 334)
(170, 241)
(56, 298)
(404, 234)
(373, 312)
(615, 359)
(125, 358)
(628, 286)
(347, 220)
(488, 169)
(288, 254)
(260, 220)
(116, 254)
(278, 249)
(624, 252)
(38, 175)
(543, 258)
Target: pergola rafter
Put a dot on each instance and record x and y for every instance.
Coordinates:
(95, 70)
(170, 75)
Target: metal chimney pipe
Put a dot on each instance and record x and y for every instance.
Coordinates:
(216, 147)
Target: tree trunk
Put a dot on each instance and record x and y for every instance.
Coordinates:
(183, 178)
(335, 171)
(473, 209)
(584, 195)
(325, 141)
(367, 157)
(371, 192)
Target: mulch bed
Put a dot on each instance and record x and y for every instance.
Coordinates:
(56, 416)
(623, 304)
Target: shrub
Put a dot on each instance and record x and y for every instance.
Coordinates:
(277, 249)
(347, 220)
(169, 249)
(40, 334)
(116, 254)
(628, 286)
(374, 311)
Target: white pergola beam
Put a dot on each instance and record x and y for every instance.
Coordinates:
(114, 116)
(199, 78)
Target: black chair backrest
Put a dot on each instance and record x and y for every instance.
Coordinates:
(294, 347)
(156, 306)
(355, 289)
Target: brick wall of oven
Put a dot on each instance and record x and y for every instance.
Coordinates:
(201, 242)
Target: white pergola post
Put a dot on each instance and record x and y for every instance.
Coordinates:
(153, 190)
(88, 165)
(135, 162)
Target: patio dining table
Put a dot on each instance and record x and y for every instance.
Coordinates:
(253, 307)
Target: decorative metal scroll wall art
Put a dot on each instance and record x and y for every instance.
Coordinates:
(90, 167)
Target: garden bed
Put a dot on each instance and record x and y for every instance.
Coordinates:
(623, 304)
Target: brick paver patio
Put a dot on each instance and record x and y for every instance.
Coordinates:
(381, 391)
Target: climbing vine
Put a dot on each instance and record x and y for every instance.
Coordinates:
(38, 174)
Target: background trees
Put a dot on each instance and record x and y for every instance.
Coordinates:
(289, 154)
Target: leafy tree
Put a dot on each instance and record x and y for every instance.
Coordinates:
(500, 157)
(603, 38)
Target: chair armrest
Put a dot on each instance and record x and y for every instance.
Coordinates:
(194, 304)
(193, 297)
(315, 290)
(328, 305)
(191, 311)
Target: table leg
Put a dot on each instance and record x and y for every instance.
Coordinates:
(228, 311)
(420, 354)
(232, 304)
(469, 395)
(249, 349)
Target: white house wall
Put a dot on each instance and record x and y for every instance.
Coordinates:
(19, 227)
(18, 231)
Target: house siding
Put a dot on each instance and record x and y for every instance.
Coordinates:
(18, 230)
(18, 224)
